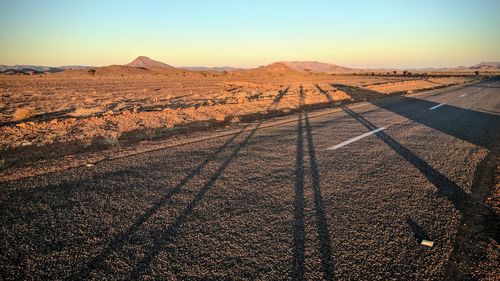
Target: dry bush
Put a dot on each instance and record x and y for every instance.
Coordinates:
(79, 112)
(23, 113)
(109, 140)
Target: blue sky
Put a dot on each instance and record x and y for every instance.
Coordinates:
(250, 33)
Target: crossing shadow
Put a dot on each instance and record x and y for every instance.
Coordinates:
(479, 220)
(445, 186)
(122, 239)
(461, 200)
(476, 127)
(359, 93)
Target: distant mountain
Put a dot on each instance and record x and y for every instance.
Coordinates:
(272, 68)
(486, 66)
(143, 61)
(315, 66)
(216, 69)
(276, 67)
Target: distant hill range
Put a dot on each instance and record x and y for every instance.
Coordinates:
(486, 66)
(37, 69)
(143, 65)
(316, 66)
(275, 67)
(216, 69)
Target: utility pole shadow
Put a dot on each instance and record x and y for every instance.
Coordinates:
(122, 239)
(324, 245)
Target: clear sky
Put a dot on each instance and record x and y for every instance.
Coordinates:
(248, 33)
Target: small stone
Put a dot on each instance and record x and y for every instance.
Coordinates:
(427, 243)
(89, 165)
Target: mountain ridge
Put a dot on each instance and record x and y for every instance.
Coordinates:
(274, 67)
(315, 66)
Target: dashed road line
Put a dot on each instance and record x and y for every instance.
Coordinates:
(436, 106)
(356, 138)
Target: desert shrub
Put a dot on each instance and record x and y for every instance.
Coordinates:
(23, 113)
(111, 141)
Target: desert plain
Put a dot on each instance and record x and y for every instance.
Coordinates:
(55, 114)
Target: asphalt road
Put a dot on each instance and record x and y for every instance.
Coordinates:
(317, 198)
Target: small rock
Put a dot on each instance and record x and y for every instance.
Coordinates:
(28, 143)
(427, 243)
(89, 165)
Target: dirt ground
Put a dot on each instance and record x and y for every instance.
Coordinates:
(79, 113)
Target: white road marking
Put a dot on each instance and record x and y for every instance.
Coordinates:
(436, 106)
(462, 96)
(356, 138)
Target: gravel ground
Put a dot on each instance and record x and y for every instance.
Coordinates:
(273, 203)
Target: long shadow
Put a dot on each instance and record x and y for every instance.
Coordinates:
(418, 231)
(43, 117)
(298, 269)
(461, 200)
(325, 250)
(281, 94)
(123, 238)
(482, 85)
(171, 231)
(359, 93)
(465, 203)
(325, 93)
(445, 186)
(477, 127)
(325, 247)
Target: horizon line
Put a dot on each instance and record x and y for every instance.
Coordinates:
(259, 65)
